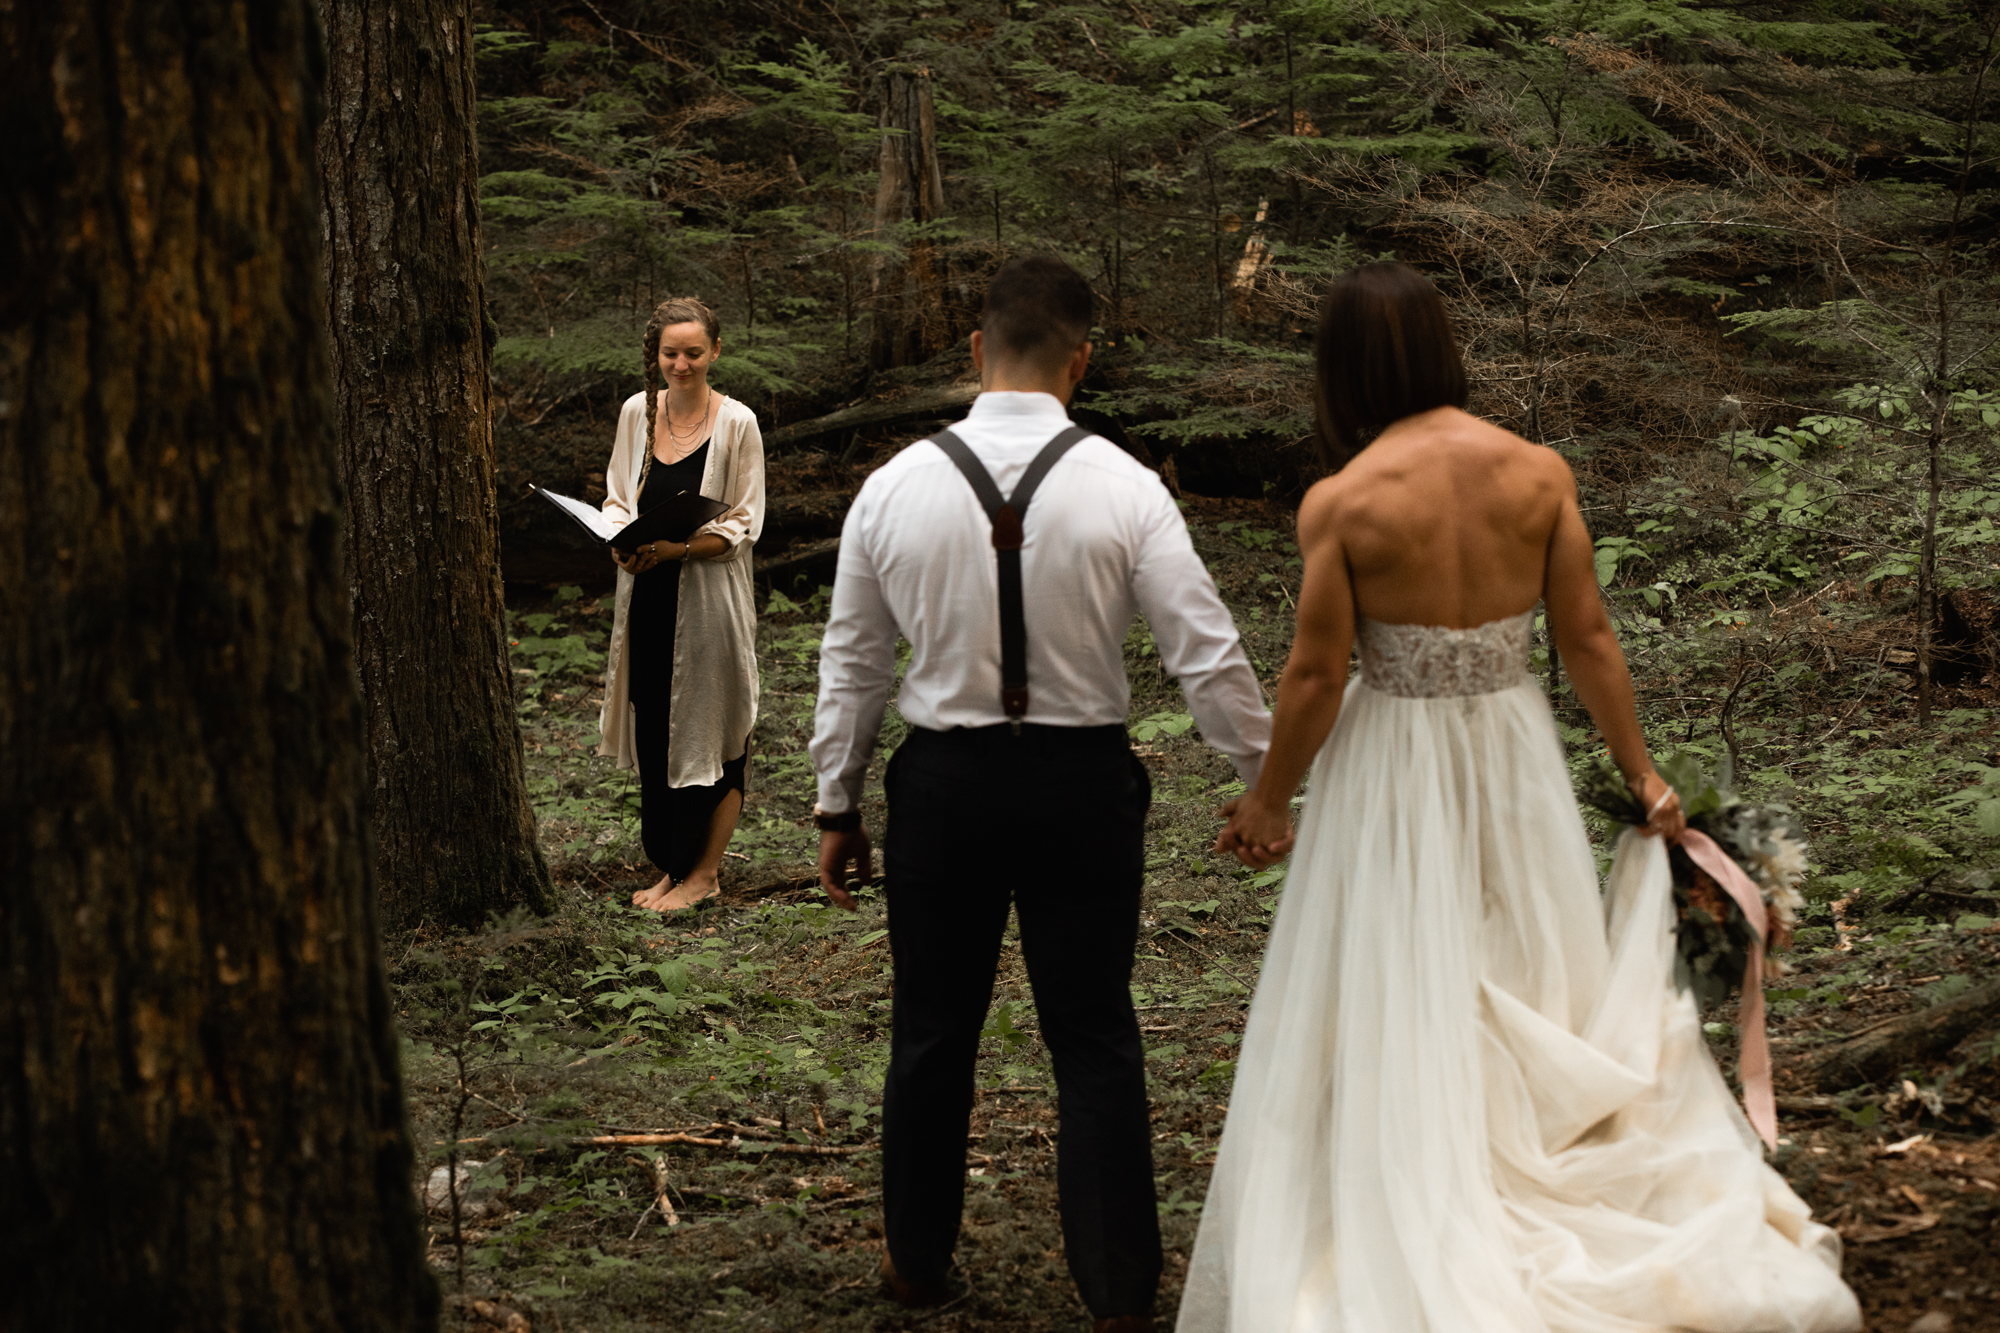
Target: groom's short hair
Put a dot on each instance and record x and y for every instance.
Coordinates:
(1038, 309)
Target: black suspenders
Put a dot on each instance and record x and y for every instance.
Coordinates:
(1006, 516)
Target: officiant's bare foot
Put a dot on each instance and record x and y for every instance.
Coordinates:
(666, 896)
(695, 888)
(655, 898)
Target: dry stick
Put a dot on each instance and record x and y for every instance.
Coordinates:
(1844, 930)
(1743, 676)
(1851, 710)
(659, 1140)
(657, 1169)
(1211, 958)
(846, 1201)
(451, 1164)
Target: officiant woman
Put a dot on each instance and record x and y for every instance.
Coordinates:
(680, 693)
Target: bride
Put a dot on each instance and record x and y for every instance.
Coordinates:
(1470, 1099)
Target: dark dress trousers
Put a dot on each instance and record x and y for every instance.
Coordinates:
(1051, 821)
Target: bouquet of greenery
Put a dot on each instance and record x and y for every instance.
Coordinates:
(1714, 942)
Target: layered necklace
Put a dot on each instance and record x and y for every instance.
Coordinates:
(677, 442)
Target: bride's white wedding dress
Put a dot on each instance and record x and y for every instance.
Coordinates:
(1470, 1099)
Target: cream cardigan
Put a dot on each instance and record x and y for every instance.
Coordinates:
(714, 704)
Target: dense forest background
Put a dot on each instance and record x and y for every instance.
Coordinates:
(1662, 225)
(1734, 261)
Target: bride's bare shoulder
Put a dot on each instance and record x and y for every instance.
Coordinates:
(1321, 508)
(1509, 456)
(1394, 481)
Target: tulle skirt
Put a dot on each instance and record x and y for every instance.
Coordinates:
(1470, 1099)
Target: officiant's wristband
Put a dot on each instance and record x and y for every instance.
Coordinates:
(847, 821)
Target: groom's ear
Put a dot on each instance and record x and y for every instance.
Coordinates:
(1079, 363)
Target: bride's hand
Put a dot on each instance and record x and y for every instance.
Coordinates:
(1257, 835)
(1662, 804)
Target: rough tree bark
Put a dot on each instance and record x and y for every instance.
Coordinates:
(911, 324)
(201, 1119)
(406, 280)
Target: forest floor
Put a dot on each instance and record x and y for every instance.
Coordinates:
(756, 1028)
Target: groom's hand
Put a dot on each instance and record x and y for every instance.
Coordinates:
(1258, 837)
(837, 851)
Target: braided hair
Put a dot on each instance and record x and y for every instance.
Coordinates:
(673, 310)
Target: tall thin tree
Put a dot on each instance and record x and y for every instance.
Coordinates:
(1939, 374)
(201, 1119)
(406, 280)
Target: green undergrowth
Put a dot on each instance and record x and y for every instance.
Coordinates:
(759, 1024)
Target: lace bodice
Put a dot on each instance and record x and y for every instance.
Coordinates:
(1433, 662)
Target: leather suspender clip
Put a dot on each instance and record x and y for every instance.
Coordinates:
(1007, 517)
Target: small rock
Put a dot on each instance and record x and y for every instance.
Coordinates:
(1937, 1321)
(476, 1198)
(505, 1318)
(493, 1315)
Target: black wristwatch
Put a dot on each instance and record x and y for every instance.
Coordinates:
(845, 822)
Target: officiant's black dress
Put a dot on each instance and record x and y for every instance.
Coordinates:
(673, 821)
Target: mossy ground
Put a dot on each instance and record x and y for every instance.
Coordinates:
(762, 1020)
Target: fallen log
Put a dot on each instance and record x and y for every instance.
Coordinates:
(1884, 1049)
(943, 401)
(821, 556)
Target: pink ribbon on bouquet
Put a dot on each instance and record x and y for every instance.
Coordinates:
(1753, 1060)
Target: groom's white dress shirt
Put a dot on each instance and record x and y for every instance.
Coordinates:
(1103, 539)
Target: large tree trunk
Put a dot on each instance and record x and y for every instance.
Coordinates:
(911, 323)
(454, 835)
(201, 1119)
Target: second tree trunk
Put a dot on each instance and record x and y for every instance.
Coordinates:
(406, 285)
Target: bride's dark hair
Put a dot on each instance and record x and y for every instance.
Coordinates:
(1385, 351)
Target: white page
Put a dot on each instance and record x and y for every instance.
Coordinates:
(590, 516)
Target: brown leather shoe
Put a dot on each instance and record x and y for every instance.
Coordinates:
(1125, 1323)
(913, 1295)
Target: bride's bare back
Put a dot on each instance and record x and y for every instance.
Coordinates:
(1444, 520)
(1441, 520)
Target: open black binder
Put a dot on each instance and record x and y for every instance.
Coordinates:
(674, 519)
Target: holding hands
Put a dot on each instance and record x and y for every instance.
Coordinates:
(1259, 833)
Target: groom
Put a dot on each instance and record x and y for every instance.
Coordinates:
(1012, 551)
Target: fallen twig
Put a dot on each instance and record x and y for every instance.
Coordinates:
(694, 1141)
(656, 1168)
(1898, 1226)
(1220, 965)
(844, 1201)
(1815, 1105)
